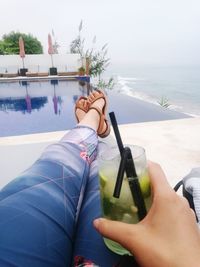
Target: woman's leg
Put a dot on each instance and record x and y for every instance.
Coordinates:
(89, 244)
(39, 209)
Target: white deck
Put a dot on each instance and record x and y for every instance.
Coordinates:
(175, 144)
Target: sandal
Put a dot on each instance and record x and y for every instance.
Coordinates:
(102, 131)
(80, 105)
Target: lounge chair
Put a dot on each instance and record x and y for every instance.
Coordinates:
(43, 74)
(32, 74)
(10, 75)
(68, 73)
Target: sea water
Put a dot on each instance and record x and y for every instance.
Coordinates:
(179, 86)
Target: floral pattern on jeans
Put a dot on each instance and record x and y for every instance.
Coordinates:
(125, 261)
(81, 262)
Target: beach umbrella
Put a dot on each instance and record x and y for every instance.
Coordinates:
(21, 49)
(27, 97)
(55, 98)
(28, 100)
(50, 48)
(28, 103)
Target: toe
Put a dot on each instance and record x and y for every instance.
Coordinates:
(92, 96)
(85, 104)
(81, 102)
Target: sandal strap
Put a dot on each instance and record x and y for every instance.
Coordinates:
(103, 130)
(98, 110)
(101, 118)
(78, 106)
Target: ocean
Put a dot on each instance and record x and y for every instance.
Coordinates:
(179, 86)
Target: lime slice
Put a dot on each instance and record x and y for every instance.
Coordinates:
(103, 179)
(108, 187)
(145, 185)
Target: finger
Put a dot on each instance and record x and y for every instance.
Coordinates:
(158, 179)
(117, 231)
(187, 206)
(193, 214)
(185, 201)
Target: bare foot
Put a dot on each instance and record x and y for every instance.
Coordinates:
(81, 109)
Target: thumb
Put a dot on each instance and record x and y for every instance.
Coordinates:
(123, 233)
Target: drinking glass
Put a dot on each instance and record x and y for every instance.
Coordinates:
(123, 208)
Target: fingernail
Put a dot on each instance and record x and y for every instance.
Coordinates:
(96, 223)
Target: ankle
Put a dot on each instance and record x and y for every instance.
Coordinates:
(91, 119)
(95, 114)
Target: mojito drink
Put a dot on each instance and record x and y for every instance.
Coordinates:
(123, 208)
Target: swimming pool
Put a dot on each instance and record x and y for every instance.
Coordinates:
(38, 106)
(47, 106)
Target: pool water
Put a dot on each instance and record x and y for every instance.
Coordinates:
(39, 106)
(46, 106)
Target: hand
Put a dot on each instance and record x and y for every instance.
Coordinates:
(167, 237)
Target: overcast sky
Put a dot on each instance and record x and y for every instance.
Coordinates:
(137, 31)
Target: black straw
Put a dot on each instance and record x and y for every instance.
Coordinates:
(135, 186)
(120, 174)
(116, 131)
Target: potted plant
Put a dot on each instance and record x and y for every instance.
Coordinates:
(81, 71)
(82, 83)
